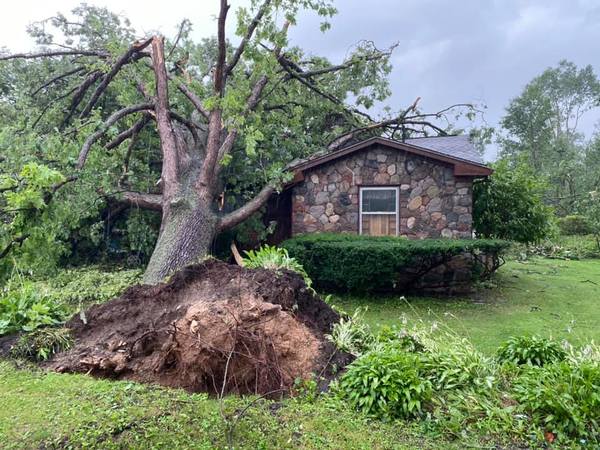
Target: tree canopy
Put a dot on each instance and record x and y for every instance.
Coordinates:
(200, 132)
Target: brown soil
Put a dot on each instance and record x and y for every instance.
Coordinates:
(213, 327)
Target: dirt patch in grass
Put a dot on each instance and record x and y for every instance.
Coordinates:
(213, 327)
(6, 344)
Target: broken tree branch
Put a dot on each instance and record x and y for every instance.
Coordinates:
(113, 118)
(249, 32)
(219, 78)
(144, 201)
(130, 132)
(53, 53)
(239, 215)
(398, 121)
(194, 99)
(16, 241)
(125, 58)
(57, 78)
(168, 139)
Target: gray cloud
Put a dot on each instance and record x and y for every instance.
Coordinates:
(482, 51)
(465, 51)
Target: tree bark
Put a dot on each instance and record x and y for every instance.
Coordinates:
(188, 229)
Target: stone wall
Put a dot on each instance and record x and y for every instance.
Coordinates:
(433, 202)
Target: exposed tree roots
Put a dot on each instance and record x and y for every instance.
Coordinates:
(213, 327)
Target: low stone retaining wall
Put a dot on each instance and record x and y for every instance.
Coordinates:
(453, 277)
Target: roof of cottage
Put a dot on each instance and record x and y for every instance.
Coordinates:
(458, 151)
(456, 146)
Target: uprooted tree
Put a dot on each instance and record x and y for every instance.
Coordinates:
(218, 109)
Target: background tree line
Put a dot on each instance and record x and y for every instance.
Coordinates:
(547, 172)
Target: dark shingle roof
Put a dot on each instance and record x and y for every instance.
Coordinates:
(455, 146)
(458, 148)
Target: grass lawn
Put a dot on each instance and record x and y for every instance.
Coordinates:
(549, 297)
(49, 410)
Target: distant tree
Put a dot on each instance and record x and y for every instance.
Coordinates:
(541, 125)
(509, 205)
(591, 209)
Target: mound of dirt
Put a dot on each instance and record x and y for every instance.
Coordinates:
(213, 327)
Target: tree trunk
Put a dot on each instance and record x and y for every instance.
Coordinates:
(187, 233)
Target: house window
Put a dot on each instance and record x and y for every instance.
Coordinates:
(378, 211)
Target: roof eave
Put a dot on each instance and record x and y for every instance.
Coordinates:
(462, 167)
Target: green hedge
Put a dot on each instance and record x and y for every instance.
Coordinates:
(366, 263)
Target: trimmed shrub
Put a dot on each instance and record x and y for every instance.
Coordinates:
(366, 263)
(387, 384)
(574, 224)
(532, 350)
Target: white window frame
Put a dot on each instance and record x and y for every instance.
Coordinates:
(378, 188)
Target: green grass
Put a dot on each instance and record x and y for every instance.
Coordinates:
(549, 297)
(49, 410)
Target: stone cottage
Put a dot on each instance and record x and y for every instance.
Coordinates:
(419, 188)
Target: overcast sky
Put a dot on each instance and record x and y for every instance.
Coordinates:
(482, 51)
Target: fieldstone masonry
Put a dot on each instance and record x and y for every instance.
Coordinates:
(433, 202)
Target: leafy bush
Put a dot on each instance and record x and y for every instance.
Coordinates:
(386, 383)
(509, 205)
(463, 391)
(573, 224)
(533, 350)
(28, 229)
(42, 343)
(27, 308)
(352, 334)
(562, 398)
(351, 262)
(400, 339)
(458, 367)
(274, 258)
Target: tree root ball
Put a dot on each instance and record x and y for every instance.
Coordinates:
(213, 327)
